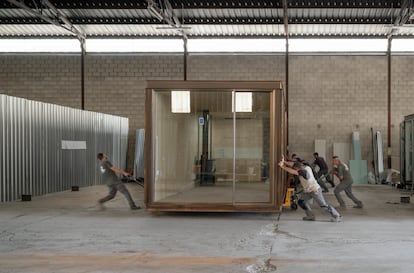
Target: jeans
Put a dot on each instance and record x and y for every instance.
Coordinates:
(318, 197)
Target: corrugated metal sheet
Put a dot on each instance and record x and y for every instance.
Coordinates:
(337, 30)
(218, 18)
(32, 159)
(106, 13)
(343, 13)
(9, 30)
(236, 30)
(106, 30)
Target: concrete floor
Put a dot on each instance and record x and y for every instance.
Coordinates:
(66, 232)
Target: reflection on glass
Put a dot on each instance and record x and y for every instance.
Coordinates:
(252, 141)
(210, 154)
(180, 102)
(243, 102)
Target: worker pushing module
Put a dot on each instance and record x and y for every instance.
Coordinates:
(311, 189)
(341, 170)
(323, 168)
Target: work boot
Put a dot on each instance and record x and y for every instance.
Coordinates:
(341, 207)
(309, 218)
(336, 219)
(359, 206)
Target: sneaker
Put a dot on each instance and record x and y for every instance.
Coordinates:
(308, 218)
(336, 219)
(135, 207)
(359, 206)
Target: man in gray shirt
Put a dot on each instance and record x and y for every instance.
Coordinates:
(342, 172)
(111, 179)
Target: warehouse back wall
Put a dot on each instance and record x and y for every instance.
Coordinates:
(329, 96)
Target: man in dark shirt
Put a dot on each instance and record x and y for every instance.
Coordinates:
(114, 184)
(341, 170)
(323, 168)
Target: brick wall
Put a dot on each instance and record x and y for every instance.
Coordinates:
(330, 96)
(46, 78)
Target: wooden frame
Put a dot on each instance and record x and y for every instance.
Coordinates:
(277, 148)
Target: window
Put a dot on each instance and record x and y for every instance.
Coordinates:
(40, 45)
(236, 45)
(338, 45)
(134, 45)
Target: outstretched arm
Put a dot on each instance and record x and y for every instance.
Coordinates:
(283, 165)
(119, 171)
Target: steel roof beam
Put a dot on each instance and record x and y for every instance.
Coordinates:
(165, 13)
(82, 4)
(204, 21)
(212, 4)
(66, 23)
(54, 21)
(405, 14)
(291, 4)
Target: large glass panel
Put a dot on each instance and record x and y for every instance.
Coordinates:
(209, 153)
(173, 149)
(252, 142)
(188, 167)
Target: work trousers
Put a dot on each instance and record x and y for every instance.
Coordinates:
(328, 178)
(345, 186)
(113, 189)
(318, 197)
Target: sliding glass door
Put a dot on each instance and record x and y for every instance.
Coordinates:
(212, 147)
(251, 136)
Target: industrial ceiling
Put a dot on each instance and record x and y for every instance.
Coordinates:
(206, 18)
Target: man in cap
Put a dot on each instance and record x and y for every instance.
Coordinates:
(315, 174)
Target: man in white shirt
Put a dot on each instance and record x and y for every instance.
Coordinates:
(311, 189)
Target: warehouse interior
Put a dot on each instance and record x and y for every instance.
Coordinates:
(345, 72)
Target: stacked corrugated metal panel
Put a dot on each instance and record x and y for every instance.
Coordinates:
(32, 159)
(139, 153)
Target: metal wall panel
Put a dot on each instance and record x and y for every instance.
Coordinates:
(139, 153)
(32, 160)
